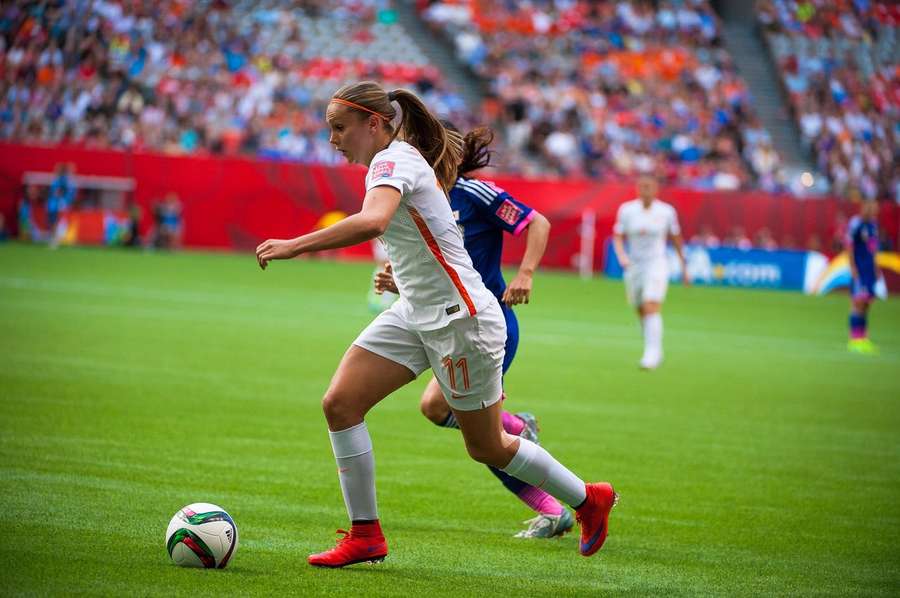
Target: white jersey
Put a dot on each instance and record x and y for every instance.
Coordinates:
(646, 231)
(432, 269)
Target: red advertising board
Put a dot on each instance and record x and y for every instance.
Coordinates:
(234, 203)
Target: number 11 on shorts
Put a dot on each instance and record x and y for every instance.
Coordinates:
(451, 371)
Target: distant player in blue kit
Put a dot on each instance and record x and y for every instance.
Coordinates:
(484, 212)
(862, 246)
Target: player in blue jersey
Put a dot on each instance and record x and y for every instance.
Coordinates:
(862, 246)
(484, 212)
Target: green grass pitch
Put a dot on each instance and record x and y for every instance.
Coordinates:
(761, 459)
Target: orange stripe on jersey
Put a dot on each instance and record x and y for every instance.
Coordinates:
(436, 252)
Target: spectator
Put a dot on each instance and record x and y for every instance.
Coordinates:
(706, 238)
(63, 185)
(168, 222)
(28, 229)
(133, 234)
(765, 240)
(59, 199)
(738, 239)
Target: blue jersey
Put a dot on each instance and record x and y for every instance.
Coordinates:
(62, 194)
(862, 241)
(483, 211)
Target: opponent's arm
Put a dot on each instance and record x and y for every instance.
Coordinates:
(519, 289)
(371, 221)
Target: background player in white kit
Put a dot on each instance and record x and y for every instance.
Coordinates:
(646, 223)
(446, 319)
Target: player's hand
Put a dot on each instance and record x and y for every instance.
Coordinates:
(274, 249)
(518, 291)
(384, 281)
(625, 263)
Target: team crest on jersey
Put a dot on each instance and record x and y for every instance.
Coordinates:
(382, 170)
(509, 212)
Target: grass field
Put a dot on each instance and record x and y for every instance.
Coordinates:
(761, 459)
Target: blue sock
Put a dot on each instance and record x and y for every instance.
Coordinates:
(512, 484)
(857, 326)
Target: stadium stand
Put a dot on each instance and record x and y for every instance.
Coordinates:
(608, 89)
(577, 89)
(192, 77)
(840, 65)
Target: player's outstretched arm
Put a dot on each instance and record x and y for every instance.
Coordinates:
(371, 221)
(519, 289)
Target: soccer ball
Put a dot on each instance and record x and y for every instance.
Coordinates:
(201, 535)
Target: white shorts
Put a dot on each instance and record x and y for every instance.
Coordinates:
(466, 356)
(644, 285)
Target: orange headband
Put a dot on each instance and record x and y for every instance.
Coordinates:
(358, 107)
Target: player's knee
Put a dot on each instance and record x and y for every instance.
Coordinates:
(339, 410)
(434, 408)
(488, 453)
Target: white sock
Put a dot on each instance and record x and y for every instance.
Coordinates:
(653, 333)
(534, 465)
(644, 336)
(356, 470)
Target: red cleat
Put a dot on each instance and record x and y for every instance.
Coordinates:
(594, 516)
(362, 544)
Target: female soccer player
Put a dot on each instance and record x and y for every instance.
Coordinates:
(862, 245)
(647, 223)
(445, 319)
(483, 212)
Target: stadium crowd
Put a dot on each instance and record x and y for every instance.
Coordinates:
(611, 88)
(192, 77)
(840, 64)
(576, 88)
